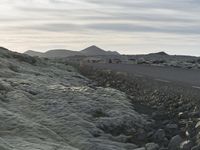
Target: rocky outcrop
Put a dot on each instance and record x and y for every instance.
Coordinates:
(173, 109)
(47, 105)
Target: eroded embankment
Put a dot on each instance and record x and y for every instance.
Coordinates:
(175, 109)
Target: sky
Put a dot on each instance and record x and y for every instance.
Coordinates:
(126, 26)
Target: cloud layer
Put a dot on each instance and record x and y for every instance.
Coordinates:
(129, 26)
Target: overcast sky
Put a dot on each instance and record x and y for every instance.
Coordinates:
(128, 26)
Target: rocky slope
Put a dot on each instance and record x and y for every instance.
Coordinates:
(175, 109)
(46, 105)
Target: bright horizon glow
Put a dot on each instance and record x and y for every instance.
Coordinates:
(128, 26)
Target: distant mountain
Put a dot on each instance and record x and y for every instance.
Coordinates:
(56, 53)
(94, 50)
(61, 53)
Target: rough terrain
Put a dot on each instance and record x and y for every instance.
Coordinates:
(174, 108)
(160, 59)
(46, 105)
(163, 59)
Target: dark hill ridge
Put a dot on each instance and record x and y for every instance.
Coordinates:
(94, 50)
(56, 53)
(162, 53)
(61, 53)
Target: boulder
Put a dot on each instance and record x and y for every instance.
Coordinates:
(175, 142)
(171, 130)
(186, 145)
(159, 136)
(196, 147)
(197, 126)
(171, 126)
(183, 115)
(151, 146)
(159, 115)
